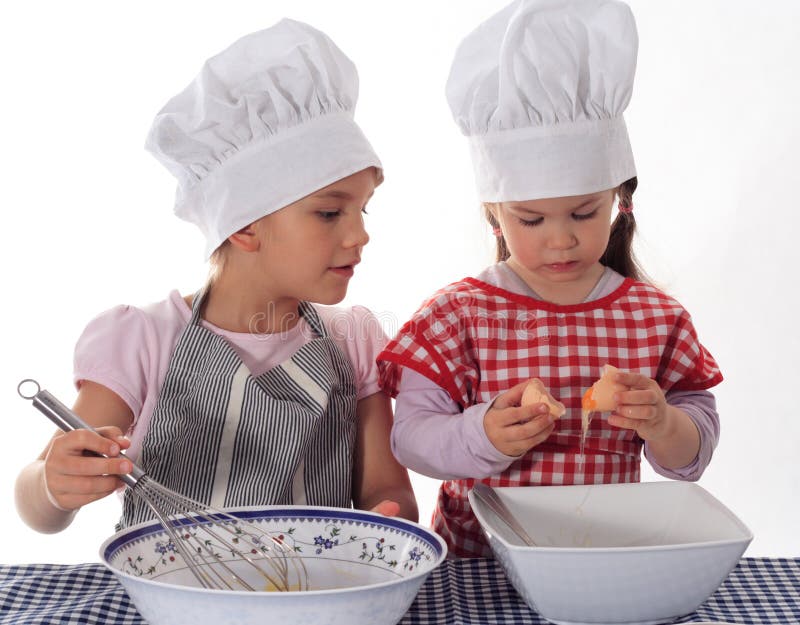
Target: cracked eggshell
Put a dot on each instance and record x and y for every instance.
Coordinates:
(600, 397)
(536, 393)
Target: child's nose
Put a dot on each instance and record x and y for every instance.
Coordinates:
(357, 235)
(561, 238)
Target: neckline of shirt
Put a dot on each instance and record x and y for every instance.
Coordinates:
(185, 312)
(532, 302)
(523, 288)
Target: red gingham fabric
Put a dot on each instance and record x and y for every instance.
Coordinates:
(476, 340)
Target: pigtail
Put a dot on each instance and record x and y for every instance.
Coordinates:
(502, 249)
(619, 254)
(217, 262)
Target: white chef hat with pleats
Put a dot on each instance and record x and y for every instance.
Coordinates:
(539, 89)
(266, 122)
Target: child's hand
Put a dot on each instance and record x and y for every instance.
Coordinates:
(74, 479)
(642, 408)
(514, 429)
(387, 508)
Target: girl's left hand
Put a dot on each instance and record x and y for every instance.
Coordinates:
(642, 408)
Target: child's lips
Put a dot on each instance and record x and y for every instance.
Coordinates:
(564, 266)
(345, 271)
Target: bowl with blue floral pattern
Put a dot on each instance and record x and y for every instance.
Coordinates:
(359, 568)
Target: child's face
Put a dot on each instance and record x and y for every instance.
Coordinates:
(556, 243)
(310, 248)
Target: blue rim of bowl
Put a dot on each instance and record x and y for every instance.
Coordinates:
(428, 536)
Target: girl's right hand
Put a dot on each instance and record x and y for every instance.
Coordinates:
(73, 478)
(514, 429)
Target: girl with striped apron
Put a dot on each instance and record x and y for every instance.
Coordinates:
(227, 438)
(278, 192)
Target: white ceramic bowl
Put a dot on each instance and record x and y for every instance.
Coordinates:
(363, 568)
(615, 553)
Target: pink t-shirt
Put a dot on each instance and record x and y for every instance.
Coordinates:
(128, 350)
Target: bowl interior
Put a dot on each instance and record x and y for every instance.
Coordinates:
(647, 514)
(339, 548)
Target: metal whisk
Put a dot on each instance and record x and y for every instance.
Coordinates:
(193, 527)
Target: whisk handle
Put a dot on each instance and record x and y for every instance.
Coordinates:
(67, 420)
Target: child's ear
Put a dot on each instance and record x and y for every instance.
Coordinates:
(246, 239)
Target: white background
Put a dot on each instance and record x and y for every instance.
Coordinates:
(87, 219)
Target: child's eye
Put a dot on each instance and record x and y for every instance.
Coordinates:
(364, 210)
(329, 215)
(531, 222)
(582, 216)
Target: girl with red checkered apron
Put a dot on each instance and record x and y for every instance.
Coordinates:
(539, 89)
(254, 390)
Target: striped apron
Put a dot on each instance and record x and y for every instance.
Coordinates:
(227, 438)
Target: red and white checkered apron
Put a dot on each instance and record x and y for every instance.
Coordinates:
(476, 340)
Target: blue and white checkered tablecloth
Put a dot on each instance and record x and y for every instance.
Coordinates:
(460, 592)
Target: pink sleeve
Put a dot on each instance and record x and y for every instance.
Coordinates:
(433, 437)
(359, 333)
(112, 351)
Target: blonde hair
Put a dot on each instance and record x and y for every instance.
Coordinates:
(217, 262)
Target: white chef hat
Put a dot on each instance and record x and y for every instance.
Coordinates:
(539, 90)
(266, 122)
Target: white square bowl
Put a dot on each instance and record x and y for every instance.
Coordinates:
(640, 553)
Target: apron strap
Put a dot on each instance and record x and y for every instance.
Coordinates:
(197, 305)
(310, 314)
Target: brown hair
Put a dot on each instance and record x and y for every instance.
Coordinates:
(619, 254)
